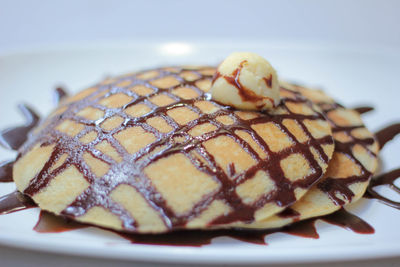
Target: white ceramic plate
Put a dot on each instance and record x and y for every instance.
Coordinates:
(352, 76)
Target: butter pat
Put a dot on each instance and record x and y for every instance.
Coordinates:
(246, 81)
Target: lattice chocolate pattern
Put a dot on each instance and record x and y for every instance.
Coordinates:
(353, 163)
(150, 152)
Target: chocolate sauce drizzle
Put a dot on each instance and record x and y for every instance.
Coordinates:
(13, 138)
(363, 109)
(15, 201)
(387, 179)
(59, 94)
(6, 171)
(283, 196)
(387, 134)
(349, 221)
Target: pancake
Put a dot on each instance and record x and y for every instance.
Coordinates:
(149, 152)
(349, 172)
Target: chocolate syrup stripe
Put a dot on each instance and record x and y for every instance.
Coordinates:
(59, 94)
(363, 109)
(6, 168)
(13, 138)
(387, 134)
(104, 186)
(349, 221)
(386, 179)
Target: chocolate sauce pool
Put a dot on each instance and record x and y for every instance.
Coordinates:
(49, 223)
(385, 135)
(386, 179)
(363, 109)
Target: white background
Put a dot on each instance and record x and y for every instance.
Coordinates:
(364, 23)
(25, 24)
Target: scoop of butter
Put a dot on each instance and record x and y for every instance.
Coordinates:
(246, 81)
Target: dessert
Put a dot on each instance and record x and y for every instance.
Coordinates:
(183, 148)
(149, 153)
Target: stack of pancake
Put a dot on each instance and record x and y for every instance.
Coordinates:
(151, 152)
